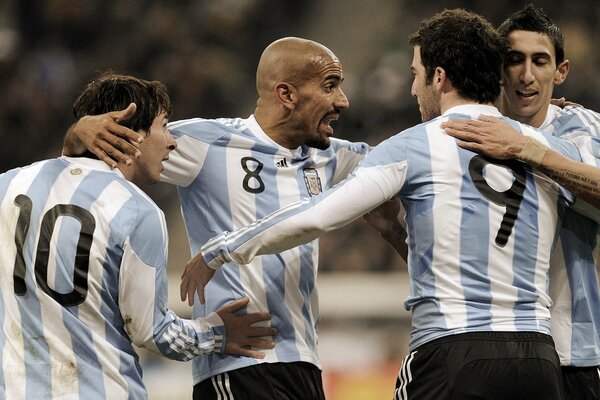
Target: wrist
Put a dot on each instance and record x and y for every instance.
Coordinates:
(533, 152)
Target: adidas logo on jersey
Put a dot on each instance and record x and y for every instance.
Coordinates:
(282, 163)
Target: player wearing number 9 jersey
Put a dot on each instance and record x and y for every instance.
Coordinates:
(480, 231)
(83, 266)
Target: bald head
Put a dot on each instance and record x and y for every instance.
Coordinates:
(292, 60)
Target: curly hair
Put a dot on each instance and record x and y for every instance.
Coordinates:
(112, 92)
(469, 50)
(532, 19)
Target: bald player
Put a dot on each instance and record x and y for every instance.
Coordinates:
(232, 171)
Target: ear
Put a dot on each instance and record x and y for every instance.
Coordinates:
(286, 94)
(439, 78)
(561, 72)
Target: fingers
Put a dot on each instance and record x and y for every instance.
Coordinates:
(124, 114)
(236, 305)
(241, 351)
(257, 317)
(255, 332)
(183, 288)
(200, 291)
(258, 343)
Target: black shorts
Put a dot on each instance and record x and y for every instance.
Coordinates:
(581, 383)
(482, 365)
(276, 381)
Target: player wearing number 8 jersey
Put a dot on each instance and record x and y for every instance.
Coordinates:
(231, 171)
(83, 267)
(480, 230)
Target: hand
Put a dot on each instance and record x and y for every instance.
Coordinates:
(196, 275)
(489, 135)
(562, 102)
(103, 136)
(242, 337)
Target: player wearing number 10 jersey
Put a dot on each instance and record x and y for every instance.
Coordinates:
(83, 266)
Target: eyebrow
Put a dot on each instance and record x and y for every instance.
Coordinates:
(538, 54)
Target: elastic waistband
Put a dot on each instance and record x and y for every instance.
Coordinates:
(493, 336)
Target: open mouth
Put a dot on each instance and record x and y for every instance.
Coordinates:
(327, 121)
(526, 93)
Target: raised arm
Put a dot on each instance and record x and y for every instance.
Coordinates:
(295, 224)
(104, 136)
(496, 138)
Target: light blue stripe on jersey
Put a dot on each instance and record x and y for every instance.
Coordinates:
(92, 381)
(578, 245)
(577, 238)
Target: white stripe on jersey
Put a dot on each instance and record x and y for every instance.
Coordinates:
(13, 362)
(446, 227)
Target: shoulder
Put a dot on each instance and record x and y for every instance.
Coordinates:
(357, 147)
(207, 130)
(573, 121)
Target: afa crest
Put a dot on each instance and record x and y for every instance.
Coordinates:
(312, 180)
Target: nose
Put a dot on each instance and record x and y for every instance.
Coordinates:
(527, 74)
(171, 143)
(342, 101)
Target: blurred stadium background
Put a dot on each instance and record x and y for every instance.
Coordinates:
(206, 52)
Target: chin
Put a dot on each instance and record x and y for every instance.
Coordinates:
(322, 144)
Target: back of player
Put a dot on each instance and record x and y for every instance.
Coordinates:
(83, 266)
(59, 279)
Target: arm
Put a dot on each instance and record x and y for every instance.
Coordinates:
(150, 324)
(496, 138)
(295, 224)
(385, 219)
(104, 136)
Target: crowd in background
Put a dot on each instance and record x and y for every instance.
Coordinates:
(206, 51)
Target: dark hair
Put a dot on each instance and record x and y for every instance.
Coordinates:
(532, 19)
(112, 92)
(467, 47)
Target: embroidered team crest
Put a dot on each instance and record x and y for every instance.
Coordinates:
(312, 180)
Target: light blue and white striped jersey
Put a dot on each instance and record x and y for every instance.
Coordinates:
(480, 231)
(82, 277)
(230, 173)
(573, 278)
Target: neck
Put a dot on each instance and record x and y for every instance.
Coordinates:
(277, 128)
(452, 99)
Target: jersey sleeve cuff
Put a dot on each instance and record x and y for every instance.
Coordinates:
(218, 328)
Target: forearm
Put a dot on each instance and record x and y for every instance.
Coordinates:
(581, 179)
(304, 221)
(72, 145)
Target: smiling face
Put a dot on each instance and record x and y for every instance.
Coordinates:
(320, 102)
(155, 149)
(530, 73)
(427, 97)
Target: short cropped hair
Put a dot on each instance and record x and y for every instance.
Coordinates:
(468, 48)
(113, 92)
(533, 19)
